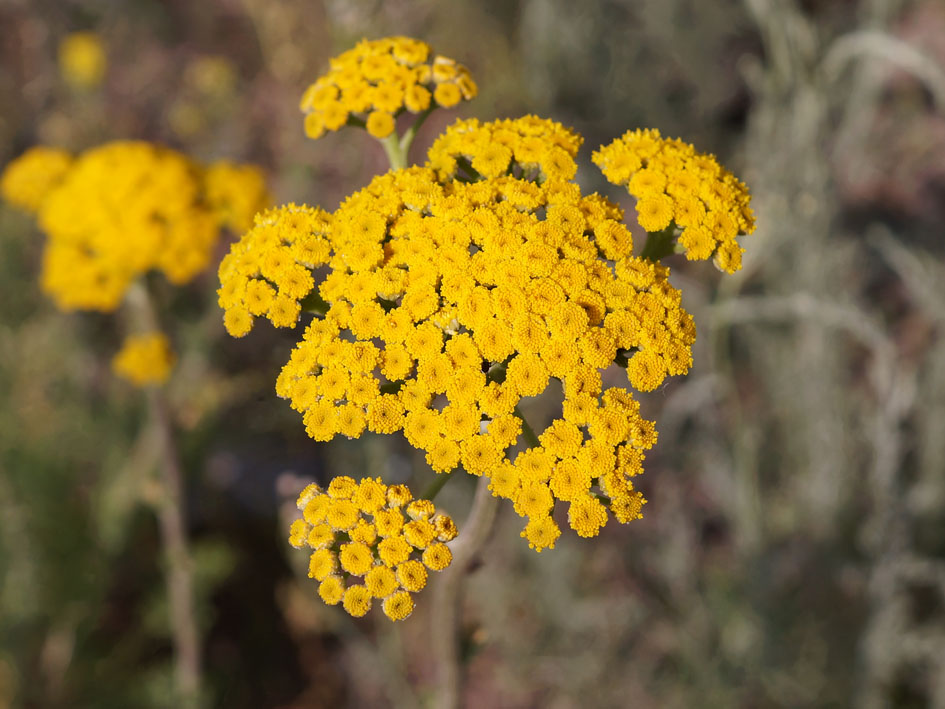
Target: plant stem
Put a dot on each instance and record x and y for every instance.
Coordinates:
(659, 244)
(398, 147)
(434, 488)
(396, 155)
(171, 519)
(447, 597)
(411, 132)
(530, 437)
(179, 572)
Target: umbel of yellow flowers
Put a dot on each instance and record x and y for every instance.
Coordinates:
(372, 83)
(371, 542)
(449, 293)
(115, 212)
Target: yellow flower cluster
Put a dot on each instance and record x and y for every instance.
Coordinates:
(530, 147)
(450, 302)
(82, 59)
(122, 209)
(236, 193)
(144, 360)
(376, 80)
(675, 185)
(269, 270)
(371, 541)
(27, 180)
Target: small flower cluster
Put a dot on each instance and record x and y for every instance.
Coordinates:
(125, 208)
(145, 360)
(27, 181)
(375, 81)
(269, 270)
(82, 60)
(236, 193)
(530, 147)
(371, 541)
(679, 188)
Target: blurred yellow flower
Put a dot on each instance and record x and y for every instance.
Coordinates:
(27, 181)
(82, 60)
(125, 208)
(145, 360)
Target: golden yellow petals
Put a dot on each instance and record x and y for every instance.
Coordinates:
(145, 360)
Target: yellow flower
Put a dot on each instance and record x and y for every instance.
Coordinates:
(528, 145)
(672, 182)
(374, 81)
(380, 124)
(437, 557)
(145, 360)
(236, 193)
(332, 590)
(412, 575)
(27, 181)
(541, 533)
(114, 213)
(398, 606)
(279, 251)
(357, 600)
(379, 561)
(82, 59)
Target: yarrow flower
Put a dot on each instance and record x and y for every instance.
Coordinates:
(82, 60)
(444, 295)
(377, 80)
(125, 208)
(683, 191)
(371, 542)
(530, 146)
(268, 272)
(449, 303)
(236, 193)
(145, 360)
(27, 180)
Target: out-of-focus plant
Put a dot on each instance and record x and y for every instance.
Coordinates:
(112, 215)
(445, 294)
(82, 60)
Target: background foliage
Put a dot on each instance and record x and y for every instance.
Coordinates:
(793, 551)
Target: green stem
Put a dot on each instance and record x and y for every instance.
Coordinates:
(396, 155)
(530, 437)
(314, 303)
(659, 244)
(411, 132)
(433, 489)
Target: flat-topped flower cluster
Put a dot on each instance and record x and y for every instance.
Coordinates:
(125, 208)
(446, 294)
(374, 82)
(369, 542)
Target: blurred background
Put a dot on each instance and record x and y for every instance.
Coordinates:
(792, 552)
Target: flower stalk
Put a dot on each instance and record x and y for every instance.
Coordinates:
(179, 577)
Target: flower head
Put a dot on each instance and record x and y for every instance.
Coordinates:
(120, 210)
(449, 302)
(268, 271)
(28, 180)
(82, 59)
(362, 549)
(527, 146)
(675, 185)
(376, 80)
(145, 360)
